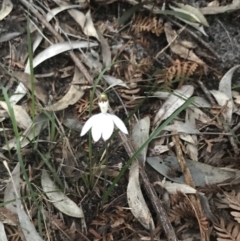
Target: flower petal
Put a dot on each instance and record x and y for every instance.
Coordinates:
(107, 126)
(97, 127)
(89, 124)
(119, 123)
(96, 131)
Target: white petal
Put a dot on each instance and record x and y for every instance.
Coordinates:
(96, 131)
(107, 127)
(119, 124)
(97, 127)
(89, 124)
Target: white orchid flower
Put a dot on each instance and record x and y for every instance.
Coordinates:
(102, 124)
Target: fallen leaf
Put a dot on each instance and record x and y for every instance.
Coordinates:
(191, 147)
(136, 200)
(7, 7)
(195, 11)
(235, 5)
(85, 21)
(89, 28)
(225, 84)
(113, 81)
(56, 49)
(202, 174)
(201, 116)
(140, 134)
(181, 127)
(33, 130)
(195, 14)
(174, 101)
(3, 235)
(106, 52)
(22, 118)
(11, 193)
(177, 48)
(58, 198)
(72, 122)
(39, 90)
(71, 97)
(173, 188)
(135, 197)
(223, 100)
(49, 52)
(78, 16)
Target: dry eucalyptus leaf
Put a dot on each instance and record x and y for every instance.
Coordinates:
(193, 13)
(39, 91)
(9, 36)
(173, 188)
(22, 118)
(140, 134)
(181, 127)
(12, 192)
(136, 200)
(198, 101)
(70, 98)
(7, 7)
(78, 77)
(58, 198)
(223, 100)
(27, 227)
(236, 96)
(78, 16)
(192, 147)
(202, 174)
(85, 21)
(177, 48)
(9, 192)
(225, 85)
(44, 55)
(89, 28)
(21, 90)
(200, 115)
(40, 123)
(3, 235)
(214, 3)
(56, 49)
(106, 52)
(174, 101)
(71, 122)
(235, 5)
(113, 81)
(135, 197)
(50, 15)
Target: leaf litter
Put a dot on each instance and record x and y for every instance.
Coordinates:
(149, 70)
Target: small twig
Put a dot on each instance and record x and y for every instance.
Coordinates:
(232, 141)
(194, 133)
(235, 128)
(229, 37)
(206, 45)
(195, 201)
(175, 37)
(59, 38)
(157, 204)
(206, 92)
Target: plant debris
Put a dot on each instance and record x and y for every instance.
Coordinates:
(175, 176)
